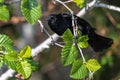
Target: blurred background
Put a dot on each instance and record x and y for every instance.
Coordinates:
(106, 22)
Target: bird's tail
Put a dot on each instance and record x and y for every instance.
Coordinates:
(99, 43)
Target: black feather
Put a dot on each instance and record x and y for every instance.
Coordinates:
(60, 22)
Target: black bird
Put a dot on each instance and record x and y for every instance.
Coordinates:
(60, 22)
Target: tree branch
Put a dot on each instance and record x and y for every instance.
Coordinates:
(111, 7)
(90, 6)
(44, 45)
(7, 74)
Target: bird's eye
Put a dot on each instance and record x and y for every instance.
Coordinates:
(52, 17)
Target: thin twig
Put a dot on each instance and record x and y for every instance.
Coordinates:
(68, 1)
(11, 1)
(64, 5)
(59, 45)
(46, 32)
(84, 61)
(43, 29)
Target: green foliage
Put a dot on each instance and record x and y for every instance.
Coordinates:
(107, 60)
(4, 12)
(12, 56)
(69, 51)
(10, 59)
(31, 10)
(21, 62)
(24, 68)
(79, 70)
(68, 36)
(69, 54)
(26, 52)
(80, 3)
(10, 64)
(83, 41)
(93, 65)
(1, 1)
(34, 64)
(118, 26)
(5, 42)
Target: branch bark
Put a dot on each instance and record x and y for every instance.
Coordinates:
(111, 7)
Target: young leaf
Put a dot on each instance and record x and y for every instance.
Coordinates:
(69, 54)
(83, 41)
(31, 10)
(79, 70)
(4, 12)
(5, 42)
(80, 3)
(24, 68)
(68, 36)
(12, 56)
(93, 65)
(26, 52)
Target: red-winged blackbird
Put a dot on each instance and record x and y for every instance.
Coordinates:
(60, 22)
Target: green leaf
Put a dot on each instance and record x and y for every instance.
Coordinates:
(5, 42)
(104, 60)
(12, 56)
(107, 60)
(83, 41)
(31, 10)
(34, 64)
(80, 3)
(26, 52)
(118, 26)
(79, 70)
(4, 12)
(83, 44)
(110, 60)
(93, 65)
(79, 33)
(10, 59)
(10, 64)
(68, 36)
(24, 68)
(69, 54)
(1, 1)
